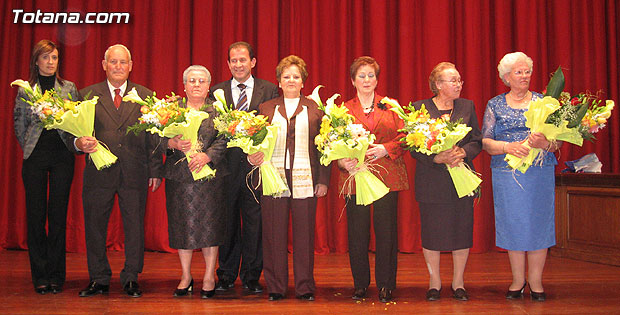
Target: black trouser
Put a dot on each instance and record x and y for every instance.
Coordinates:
(243, 243)
(386, 237)
(47, 251)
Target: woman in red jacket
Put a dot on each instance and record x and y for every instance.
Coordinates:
(387, 153)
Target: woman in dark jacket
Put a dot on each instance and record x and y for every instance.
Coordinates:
(196, 208)
(48, 163)
(446, 220)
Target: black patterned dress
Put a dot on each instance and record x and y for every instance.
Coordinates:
(196, 208)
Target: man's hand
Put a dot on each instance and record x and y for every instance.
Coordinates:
(86, 144)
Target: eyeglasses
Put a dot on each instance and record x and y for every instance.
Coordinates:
(454, 82)
(523, 72)
(199, 81)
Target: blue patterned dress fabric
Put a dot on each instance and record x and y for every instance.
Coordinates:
(524, 203)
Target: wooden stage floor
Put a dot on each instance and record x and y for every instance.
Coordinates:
(573, 287)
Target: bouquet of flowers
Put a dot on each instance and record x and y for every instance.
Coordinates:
(252, 133)
(341, 138)
(167, 119)
(77, 118)
(431, 136)
(562, 117)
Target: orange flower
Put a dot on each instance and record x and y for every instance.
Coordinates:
(233, 127)
(162, 112)
(430, 142)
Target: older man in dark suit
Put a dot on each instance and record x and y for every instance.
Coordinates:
(136, 169)
(242, 245)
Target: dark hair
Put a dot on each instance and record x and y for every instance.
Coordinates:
(44, 46)
(292, 60)
(241, 45)
(364, 61)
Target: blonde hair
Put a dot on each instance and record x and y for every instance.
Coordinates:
(434, 76)
(292, 60)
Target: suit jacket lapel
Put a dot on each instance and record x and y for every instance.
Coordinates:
(127, 108)
(228, 95)
(282, 108)
(257, 95)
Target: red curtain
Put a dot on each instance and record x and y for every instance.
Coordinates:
(408, 38)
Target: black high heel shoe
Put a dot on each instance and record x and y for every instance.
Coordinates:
(433, 294)
(537, 296)
(185, 291)
(517, 294)
(207, 294)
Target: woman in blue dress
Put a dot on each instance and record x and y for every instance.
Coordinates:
(524, 202)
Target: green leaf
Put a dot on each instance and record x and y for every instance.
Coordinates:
(258, 137)
(581, 112)
(137, 128)
(556, 84)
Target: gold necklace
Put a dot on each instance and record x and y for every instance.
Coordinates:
(518, 100)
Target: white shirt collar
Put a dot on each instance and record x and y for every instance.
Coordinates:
(249, 83)
(112, 88)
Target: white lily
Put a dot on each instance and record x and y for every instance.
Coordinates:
(610, 105)
(330, 103)
(219, 95)
(23, 84)
(219, 106)
(315, 95)
(133, 96)
(394, 106)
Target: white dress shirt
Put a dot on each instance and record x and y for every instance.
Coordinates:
(112, 88)
(236, 91)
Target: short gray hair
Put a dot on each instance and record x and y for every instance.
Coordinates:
(505, 65)
(196, 68)
(107, 51)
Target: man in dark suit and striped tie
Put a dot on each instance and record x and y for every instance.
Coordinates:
(242, 254)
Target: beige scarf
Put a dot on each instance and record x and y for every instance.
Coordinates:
(301, 172)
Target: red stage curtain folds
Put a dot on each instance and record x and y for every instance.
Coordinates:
(408, 38)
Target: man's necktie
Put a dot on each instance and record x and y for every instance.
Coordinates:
(117, 98)
(242, 103)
